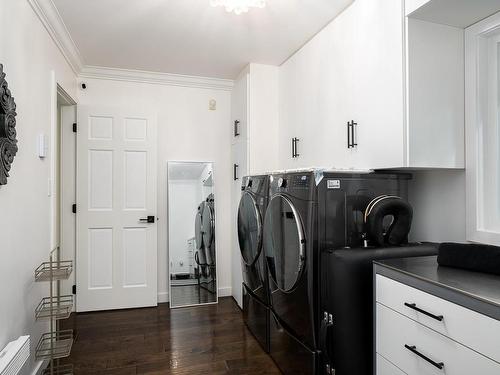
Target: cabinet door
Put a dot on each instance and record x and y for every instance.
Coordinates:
(239, 167)
(289, 115)
(378, 84)
(312, 93)
(336, 94)
(239, 124)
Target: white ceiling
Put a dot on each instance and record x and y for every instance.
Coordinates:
(185, 170)
(189, 36)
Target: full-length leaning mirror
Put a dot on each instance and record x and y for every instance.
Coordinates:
(191, 233)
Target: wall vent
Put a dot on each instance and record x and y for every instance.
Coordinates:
(14, 356)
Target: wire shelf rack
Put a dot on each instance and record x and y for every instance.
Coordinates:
(58, 307)
(53, 345)
(50, 271)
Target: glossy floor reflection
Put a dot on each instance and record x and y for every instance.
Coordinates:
(191, 295)
(209, 339)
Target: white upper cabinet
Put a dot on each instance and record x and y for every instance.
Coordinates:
(399, 80)
(239, 109)
(376, 74)
(255, 150)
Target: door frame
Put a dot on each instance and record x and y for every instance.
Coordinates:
(57, 93)
(217, 235)
(476, 52)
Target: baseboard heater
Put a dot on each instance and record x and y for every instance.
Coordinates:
(14, 356)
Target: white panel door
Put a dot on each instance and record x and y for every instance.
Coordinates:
(116, 255)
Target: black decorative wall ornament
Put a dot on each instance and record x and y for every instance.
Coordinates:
(8, 140)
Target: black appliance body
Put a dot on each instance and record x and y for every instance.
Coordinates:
(251, 212)
(347, 295)
(200, 255)
(309, 213)
(208, 230)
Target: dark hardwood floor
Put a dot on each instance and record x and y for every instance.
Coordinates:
(197, 340)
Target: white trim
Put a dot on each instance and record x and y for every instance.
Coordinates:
(169, 79)
(473, 125)
(225, 292)
(68, 100)
(52, 187)
(40, 366)
(163, 297)
(52, 21)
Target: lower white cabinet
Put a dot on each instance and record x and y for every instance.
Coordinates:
(421, 334)
(418, 350)
(478, 332)
(387, 368)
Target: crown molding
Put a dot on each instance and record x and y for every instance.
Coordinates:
(54, 24)
(52, 21)
(156, 78)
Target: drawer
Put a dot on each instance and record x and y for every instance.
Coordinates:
(394, 331)
(384, 367)
(479, 332)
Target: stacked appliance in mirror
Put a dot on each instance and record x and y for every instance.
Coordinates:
(310, 213)
(205, 244)
(251, 212)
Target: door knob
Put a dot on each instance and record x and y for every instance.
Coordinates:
(149, 219)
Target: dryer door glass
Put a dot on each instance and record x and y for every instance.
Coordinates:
(249, 229)
(209, 233)
(284, 243)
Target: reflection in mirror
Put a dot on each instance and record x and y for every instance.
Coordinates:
(191, 228)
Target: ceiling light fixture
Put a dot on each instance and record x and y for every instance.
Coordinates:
(238, 6)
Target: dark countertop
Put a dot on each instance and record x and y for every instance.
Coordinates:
(476, 291)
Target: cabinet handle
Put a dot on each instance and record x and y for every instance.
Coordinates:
(295, 154)
(414, 350)
(413, 306)
(351, 134)
(236, 128)
(235, 172)
(348, 134)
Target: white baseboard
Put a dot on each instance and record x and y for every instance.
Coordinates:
(39, 367)
(163, 297)
(223, 292)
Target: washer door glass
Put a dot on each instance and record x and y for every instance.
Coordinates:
(249, 229)
(208, 225)
(284, 243)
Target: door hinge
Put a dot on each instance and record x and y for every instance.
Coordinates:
(73, 289)
(73, 208)
(74, 127)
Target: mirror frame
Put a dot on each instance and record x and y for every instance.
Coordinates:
(169, 162)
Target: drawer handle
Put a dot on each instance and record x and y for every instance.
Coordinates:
(414, 350)
(413, 306)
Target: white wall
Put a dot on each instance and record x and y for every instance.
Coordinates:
(438, 200)
(187, 131)
(29, 56)
(184, 198)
